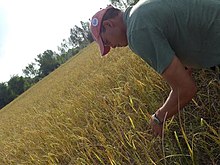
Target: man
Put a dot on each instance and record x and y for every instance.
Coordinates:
(172, 36)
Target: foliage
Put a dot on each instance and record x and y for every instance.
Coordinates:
(16, 85)
(96, 110)
(13, 88)
(47, 62)
(122, 4)
(5, 95)
(80, 36)
(31, 70)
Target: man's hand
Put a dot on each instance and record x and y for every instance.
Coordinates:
(157, 126)
(156, 129)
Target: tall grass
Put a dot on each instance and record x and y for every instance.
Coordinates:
(96, 110)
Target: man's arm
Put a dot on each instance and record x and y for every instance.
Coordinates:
(183, 88)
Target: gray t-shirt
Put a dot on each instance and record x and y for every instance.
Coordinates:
(190, 29)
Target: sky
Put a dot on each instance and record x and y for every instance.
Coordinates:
(30, 27)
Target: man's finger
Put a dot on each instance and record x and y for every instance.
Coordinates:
(155, 134)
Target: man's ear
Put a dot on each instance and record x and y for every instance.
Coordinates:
(107, 24)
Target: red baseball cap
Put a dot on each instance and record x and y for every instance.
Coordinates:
(96, 29)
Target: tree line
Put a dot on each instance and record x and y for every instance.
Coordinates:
(48, 61)
(45, 63)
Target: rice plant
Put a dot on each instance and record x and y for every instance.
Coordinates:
(95, 110)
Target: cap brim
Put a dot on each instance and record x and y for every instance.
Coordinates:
(103, 49)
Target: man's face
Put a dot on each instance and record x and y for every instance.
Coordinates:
(114, 36)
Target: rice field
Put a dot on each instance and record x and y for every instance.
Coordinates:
(96, 111)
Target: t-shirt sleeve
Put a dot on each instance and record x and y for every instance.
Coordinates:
(152, 46)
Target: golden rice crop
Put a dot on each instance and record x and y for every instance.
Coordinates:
(95, 110)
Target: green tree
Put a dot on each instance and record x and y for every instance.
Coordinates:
(16, 85)
(30, 70)
(13, 88)
(64, 47)
(5, 95)
(87, 35)
(65, 51)
(123, 4)
(80, 37)
(47, 62)
(62, 58)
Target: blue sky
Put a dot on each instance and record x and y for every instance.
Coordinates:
(29, 27)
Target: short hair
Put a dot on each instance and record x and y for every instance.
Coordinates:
(110, 13)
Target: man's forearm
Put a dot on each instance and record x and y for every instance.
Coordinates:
(175, 102)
